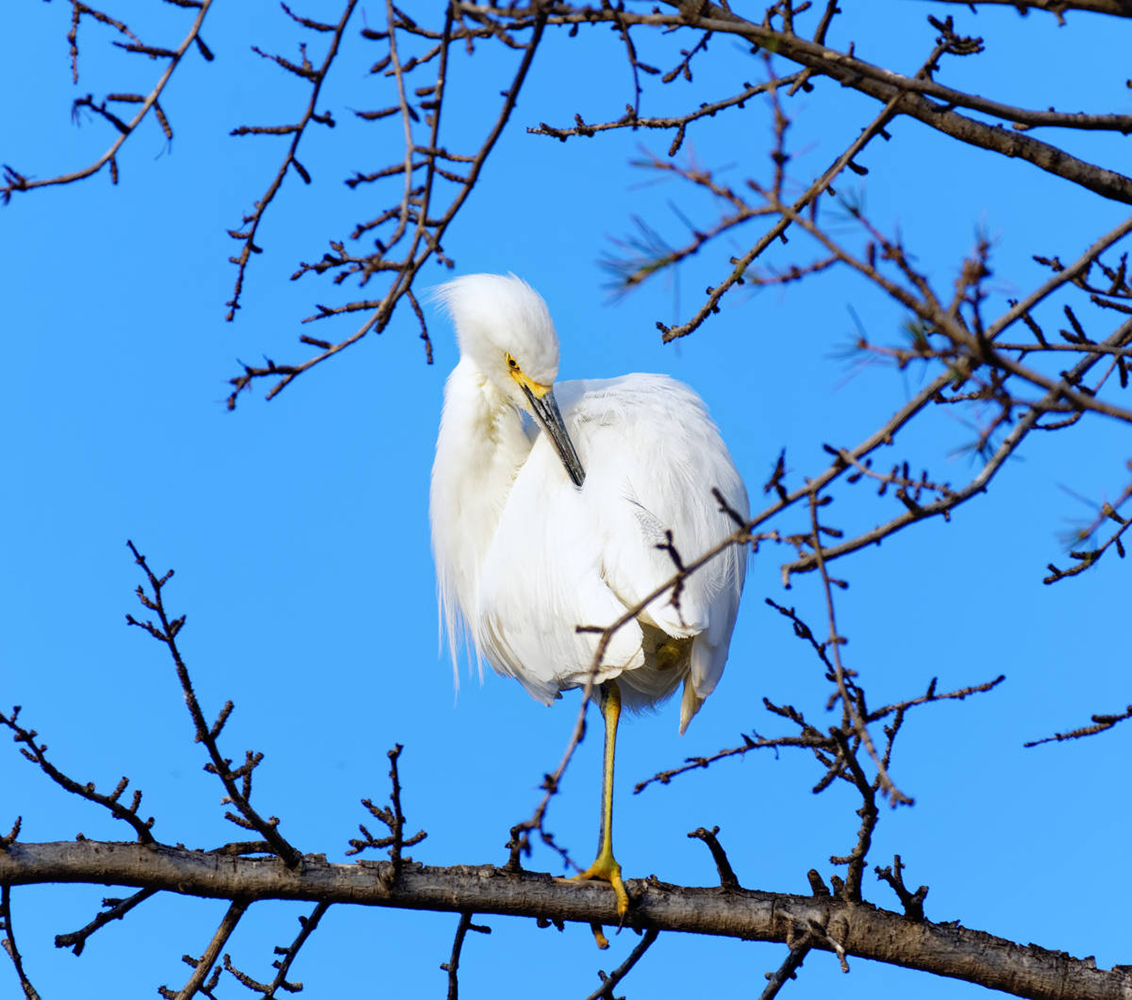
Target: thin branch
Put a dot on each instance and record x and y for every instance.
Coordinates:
(913, 902)
(742, 264)
(9, 942)
(117, 909)
(679, 123)
(786, 971)
(811, 738)
(608, 983)
(1100, 724)
(452, 966)
(849, 704)
(18, 182)
(202, 965)
(884, 85)
(727, 877)
(252, 222)
(391, 816)
(426, 238)
(979, 483)
(37, 753)
(270, 990)
(166, 633)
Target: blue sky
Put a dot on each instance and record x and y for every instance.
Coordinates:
(299, 528)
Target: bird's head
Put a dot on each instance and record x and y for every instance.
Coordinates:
(504, 328)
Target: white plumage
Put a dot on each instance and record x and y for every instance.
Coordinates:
(523, 555)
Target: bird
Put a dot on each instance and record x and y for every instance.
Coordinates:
(555, 505)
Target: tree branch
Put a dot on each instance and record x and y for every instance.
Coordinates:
(858, 929)
(18, 182)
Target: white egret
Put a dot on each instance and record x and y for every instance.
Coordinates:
(540, 525)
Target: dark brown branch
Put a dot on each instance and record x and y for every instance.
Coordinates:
(252, 222)
(18, 182)
(9, 942)
(307, 926)
(852, 718)
(913, 902)
(742, 263)
(391, 816)
(166, 633)
(202, 965)
(280, 981)
(77, 11)
(889, 87)
(785, 972)
(1088, 558)
(37, 754)
(605, 991)
(117, 909)
(810, 738)
(452, 966)
(1117, 8)
(428, 232)
(727, 877)
(680, 123)
(861, 930)
(1101, 723)
(980, 482)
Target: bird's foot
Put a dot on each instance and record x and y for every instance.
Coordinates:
(606, 869)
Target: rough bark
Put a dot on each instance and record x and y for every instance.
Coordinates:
(885, 86)
(849, 928)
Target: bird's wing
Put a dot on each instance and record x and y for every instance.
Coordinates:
(564, 557)
(541, 579)
(652, 456)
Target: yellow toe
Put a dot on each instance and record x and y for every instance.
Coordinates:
(606, 869)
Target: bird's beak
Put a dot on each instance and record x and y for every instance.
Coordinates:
(545, 408)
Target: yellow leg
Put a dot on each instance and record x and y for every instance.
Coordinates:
(605, 867)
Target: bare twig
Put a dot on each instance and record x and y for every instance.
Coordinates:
(116, 910)
(785, 972)
(9, 942)
(1100, 724)
(392, 817)
(252, 221)
(452, 966)
(727, 877)
(850, 705)
(425, 238)
(609, 982)
(308, 924)
(37, 753)
(913, 902)
(201, 966)
(14, 181)
(166, 632)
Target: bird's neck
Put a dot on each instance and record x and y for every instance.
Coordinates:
(479, 451)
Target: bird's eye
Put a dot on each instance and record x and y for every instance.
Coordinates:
(512, 363)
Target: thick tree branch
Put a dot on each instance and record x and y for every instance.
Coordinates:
(886, 86)
(858, 929)
(1117, 8)
(909, 94)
